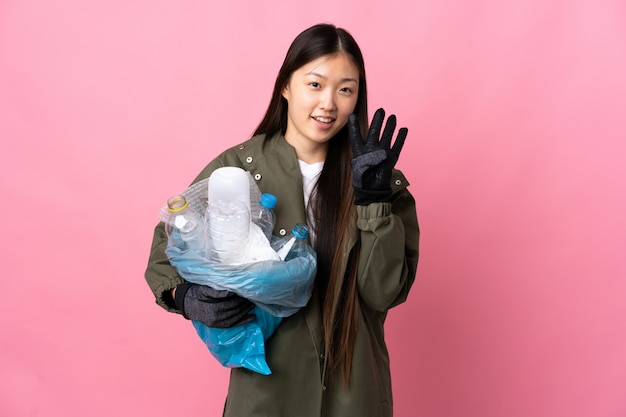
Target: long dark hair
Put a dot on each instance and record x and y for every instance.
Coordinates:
(331, 207)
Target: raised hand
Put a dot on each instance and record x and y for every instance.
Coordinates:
(374, 159)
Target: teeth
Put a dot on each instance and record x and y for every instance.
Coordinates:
(324, 119)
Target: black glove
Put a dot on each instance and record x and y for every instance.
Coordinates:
(219, 309)
(374, 159)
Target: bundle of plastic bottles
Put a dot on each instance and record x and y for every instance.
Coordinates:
(220, 235)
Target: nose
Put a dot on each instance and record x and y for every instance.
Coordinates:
(327, 100)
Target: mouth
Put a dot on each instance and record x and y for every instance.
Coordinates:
(323, 120)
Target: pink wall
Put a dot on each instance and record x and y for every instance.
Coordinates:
(515, 155)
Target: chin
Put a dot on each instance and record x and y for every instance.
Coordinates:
(324, 139)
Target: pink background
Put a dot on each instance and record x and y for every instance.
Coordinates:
(516, 156)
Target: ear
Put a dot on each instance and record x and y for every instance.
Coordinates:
(286, 92)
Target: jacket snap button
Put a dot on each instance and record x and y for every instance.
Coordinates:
(249, 159)
(242, 146)
(398, 182)
(257, 177)
(282, 232)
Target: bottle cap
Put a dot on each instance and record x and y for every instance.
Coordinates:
(268, 201)
(301, 231)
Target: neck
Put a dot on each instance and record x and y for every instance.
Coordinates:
(309, 152)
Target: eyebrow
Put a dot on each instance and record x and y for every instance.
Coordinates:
(325, 78)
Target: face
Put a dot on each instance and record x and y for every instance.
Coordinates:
(320, 96)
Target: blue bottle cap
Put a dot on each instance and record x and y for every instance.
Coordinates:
(268, 200)
(301, 231)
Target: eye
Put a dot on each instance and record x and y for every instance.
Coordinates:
(346, 90)
(314, 84)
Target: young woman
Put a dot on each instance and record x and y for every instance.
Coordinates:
(313, 150)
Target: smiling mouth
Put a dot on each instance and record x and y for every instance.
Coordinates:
(324, 119)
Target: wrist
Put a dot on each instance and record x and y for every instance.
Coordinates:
(363, 197)
(178, 293)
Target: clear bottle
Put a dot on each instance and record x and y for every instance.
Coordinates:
(184, 225)
(265, 217)
(291, 246)
(228, 227)
(227, 219)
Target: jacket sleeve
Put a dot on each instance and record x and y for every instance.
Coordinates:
(389, 248)
(160, 275)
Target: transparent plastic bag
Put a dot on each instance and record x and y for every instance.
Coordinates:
(278, 288)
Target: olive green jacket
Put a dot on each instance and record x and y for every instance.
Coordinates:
(295, 353)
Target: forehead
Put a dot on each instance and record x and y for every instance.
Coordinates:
(339, 65)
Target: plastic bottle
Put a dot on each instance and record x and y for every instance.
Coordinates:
(265, 217)
(184, 226)
(290, 247)
(228, 215)
(228, 224)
